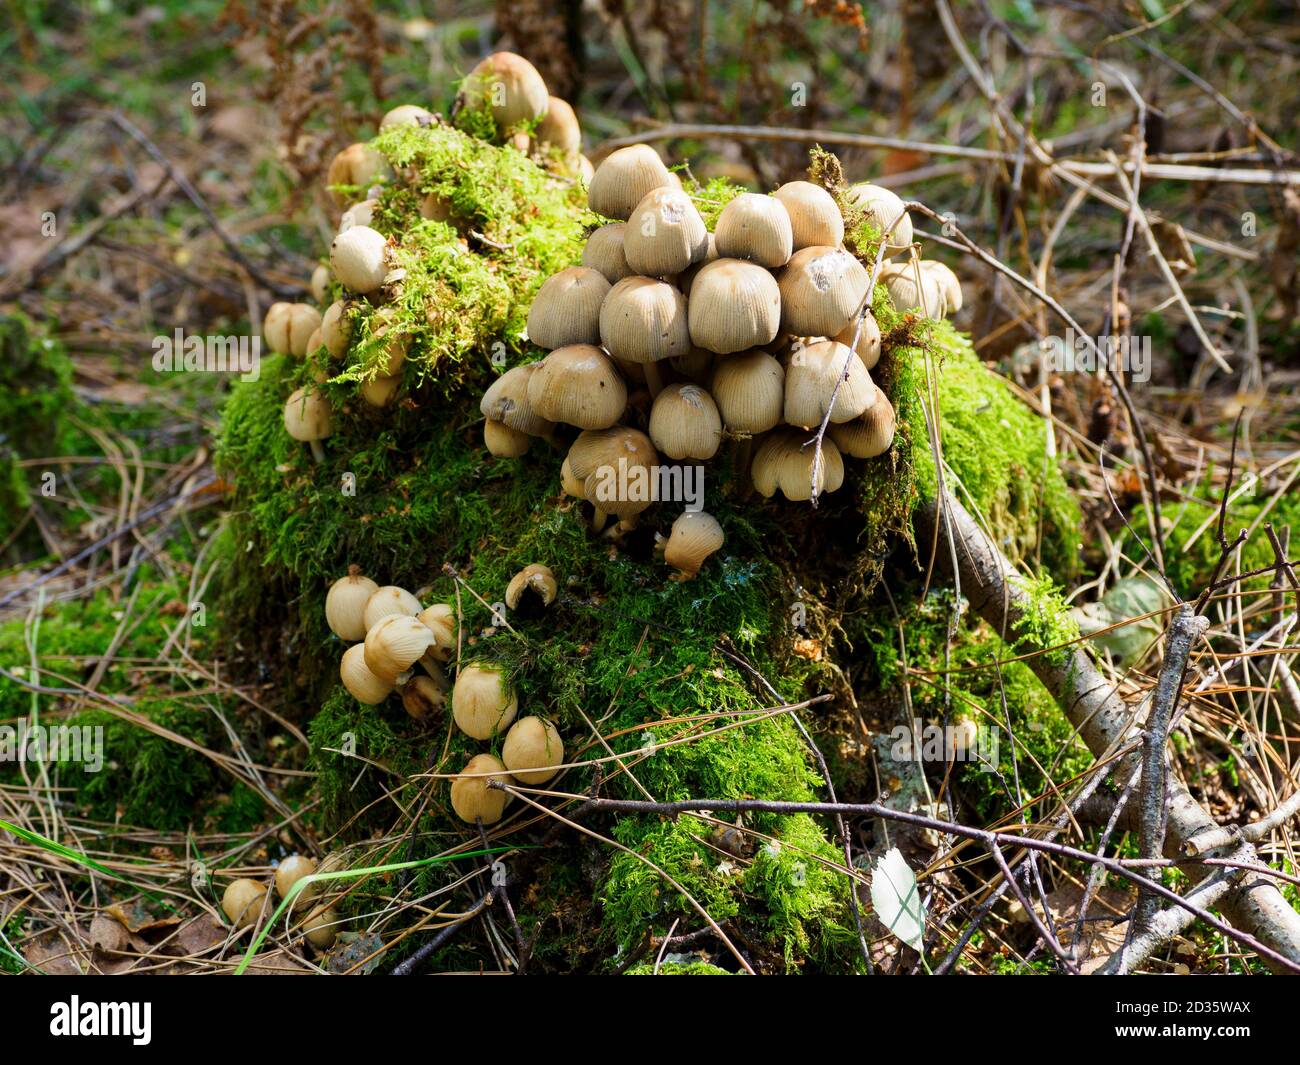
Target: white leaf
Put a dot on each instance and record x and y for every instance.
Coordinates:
(897, 900)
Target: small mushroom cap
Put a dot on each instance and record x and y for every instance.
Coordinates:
(307, 416)
(821, 289)
(275, 327)
(481, 701)
(644, 320)
(387, 600)
(566, 309)
(810, 383)
(394, 644)
(242, 902)
(345, 606)
(359, 259)
(422, 696)
(535, 578)
(356, 166)
(913, 289)
(947, 282)
(815, 219)
(749, 389)
(868, 339)
(569, 483)
(694, 537)
(290, 871)
(504, 442)
(506, 400)
(471, 797)
(685, 423)
(320, 282)
(757, 228)
(734, 305)
(336, 329)
(304, 320)
(559, 129)
(623, 179)
(380, 391)
(510, 86)
(440, 619)
(357, 677)
(321, 927)
(782, 463)
(578, 385)
(867, 436)
(883, 207)
(616, 467)
(391, 354)
(604, 252)
(532, 750)
(407, 115)
(359, 214)
(665, 234)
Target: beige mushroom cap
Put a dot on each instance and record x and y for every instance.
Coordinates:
(947, 282)
(623, 179)
(394, 644)
(644, 320)
(440, 619)
(882, 207)
(868, 339)
(407, 115)
(695, 536)
(685, 423)
(290, 871)
(511, 87)
(757, 228)
(815, 219)
(358, 678)
(734, 305)
(665, 234)
(307, 417)
(782, 463)
(533, 750)
(810, 382)
(749, 389)
(359, 214)
(559, 129)
(566, 309)
(471, 797)
(358, 166)
(345, 605)
(913, 289)
(869, 435)
(604, 252)
(481, 701)
(577, 385)
(504, 442)
(336, 329)
(242, 902)
(359, 258)
(821, 289)
(615, 467)
(535, 578)
(390, 599)
(506, 400)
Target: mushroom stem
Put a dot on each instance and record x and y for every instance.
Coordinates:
(742, 450)
(598, 519)
(317, 452)
(653, 378)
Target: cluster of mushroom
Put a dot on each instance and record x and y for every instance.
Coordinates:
(531, 120)
(244, 900)
(397, 634)
(750, 333)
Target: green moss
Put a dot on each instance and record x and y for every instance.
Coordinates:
(676, 968)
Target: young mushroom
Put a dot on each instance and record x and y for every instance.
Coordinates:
(357, 677)
(734, 305)
(947, 283)
(868, 338)
(422, 697)
(533, 750)
(624, 178)
(815, 219)
(506, 400)
(471, 797)
(566, 309)
(749, 390)
(482, 703)
(320, 283)
(559, 130)
(821, 289)
(604, 252)
(242, 902)
(287, 327)
(695, 536)
(336, 329)
(665, 234)
(407, 115)
(684, 423)
(321, 927)
(504, 442)
(356, 166)
(440, 619)
(379, 392)
(913, 289)
(757, 228)
(510, 86)
(389, 599)
(645, 321)
(782, 463)
(359, 214)
(307, 417)
(289, 872)
(535, 580)
(867, 436)
(394, 644)
(359, 259)
(811, 381)
(616, 467)
(345, 605)
(577, 385)
(883, 208)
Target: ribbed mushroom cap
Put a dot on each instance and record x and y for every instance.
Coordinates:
(614, 466)
(734, 305)
(749, 389)
(570, 484)
(440, 619)
(380, 391)
(535, 578)
(471, 797)
(287, 327)
(781, 463)
(504, 442)
(869, 435)
(511, 87)
(696, 364)
(757, 228)
(810, 382)
(482, 702)
(359, 680)
(694, 537)
(336, 329)
(394, 644)
(821, 288)
(577, 385)
(532, 750)
(359, 214)
(644, 320)
(947, 282)
(559, 129)
(275, 327)
(566, 309)
(815, 219)
(868, 345)
(665, 234)
(359, 259)
(307, 416)
(389, 600)
(345, 605)
(913, 289)
(358, 166)
(506, 400)
(604, 252)
(407, 115)
(883, 206)
(623, 179)
(685, 423)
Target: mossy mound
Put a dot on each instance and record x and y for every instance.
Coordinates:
(669, 674)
